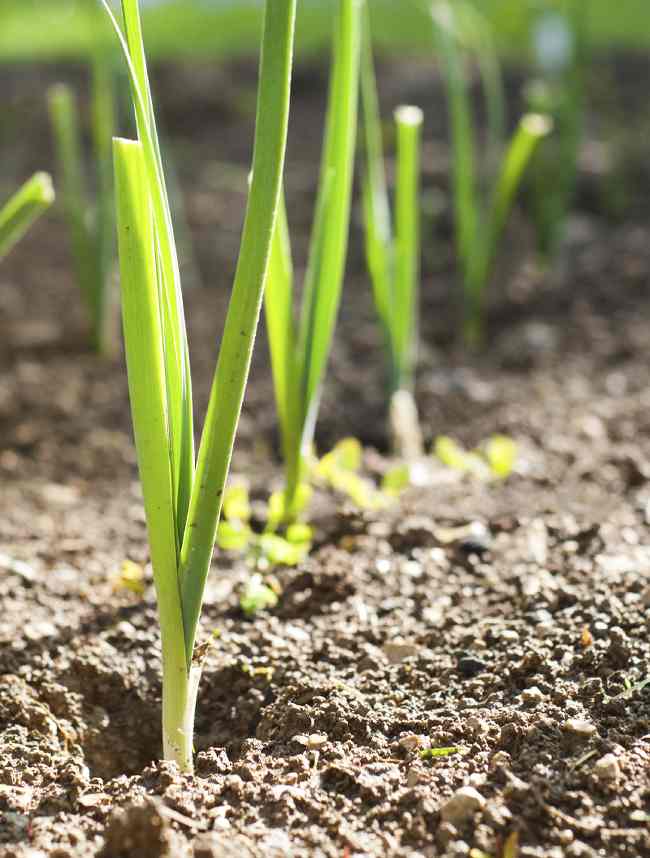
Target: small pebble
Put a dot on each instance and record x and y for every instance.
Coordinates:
(501, 759)
(580, 728)
(546, 628)
(462, 806)
(469, 665)
(411, 742)
(532, 696)
(446, 834)
(313, 741)
(476, 726)
(498, 816)
(397, 651)
(509, 636)
(607, 768)
(413, 778)
(516, 787)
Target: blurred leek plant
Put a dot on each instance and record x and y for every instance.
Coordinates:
(393, 255)
(182, 497)
(560, 56)
(23, 208)
(91, 225)
(480, 217)
(300, 347)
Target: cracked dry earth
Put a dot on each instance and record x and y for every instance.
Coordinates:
(507, 620)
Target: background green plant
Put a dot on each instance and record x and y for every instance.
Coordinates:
(300, 347)
(558, 90)
(57, 29)
(479, 217)
(393, 254)
(90, 225)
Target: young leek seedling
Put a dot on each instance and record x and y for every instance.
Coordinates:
(479, 223)
(300, 348)
(183, 498)
(23, 208)
(394, 257)
(91, 227)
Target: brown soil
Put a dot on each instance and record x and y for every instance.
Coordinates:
(525, 644)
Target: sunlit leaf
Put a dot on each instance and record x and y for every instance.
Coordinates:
(345, 456)
(233, 535)
(396, 480)
(130, 577)
(277, 511)
(455, 456)
(257, 596)
(236, 503)
(501, 455)
(280, 552)
(300, 533)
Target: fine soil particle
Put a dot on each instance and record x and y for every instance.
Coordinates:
(520, 643)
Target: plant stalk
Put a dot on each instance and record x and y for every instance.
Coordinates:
(243, 311)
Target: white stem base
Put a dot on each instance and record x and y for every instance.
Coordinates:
(406, 435)
(178, 738)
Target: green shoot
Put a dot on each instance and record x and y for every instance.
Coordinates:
(394, 257)
(257, 596)
(479, 224)
(396, 480)
(267, 549)
(493, 460)
(437, 753)
(532, 128)
(339, 470)
(501, 455)
(300, 348)
(23, 208)
(182, 498)
(91, 228)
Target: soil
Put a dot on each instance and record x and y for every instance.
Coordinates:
(508, 620)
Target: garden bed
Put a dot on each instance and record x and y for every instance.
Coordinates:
(507, 620)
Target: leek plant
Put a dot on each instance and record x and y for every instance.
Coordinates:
(183, 497)
(23, 208)
(300, 347)
(479, 222)
(560, 55)
(393, 256)
(90, 226)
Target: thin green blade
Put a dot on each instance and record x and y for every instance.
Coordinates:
(67, 139)
(103, 125)
(281, 328)
(243, 312)
(143, 338)
(329, 241)
(179, 389)
(24, 207)
(377, 222)
(478, 37)
(407, 244)
(177, 363)
(532, 128)
(462, 130)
